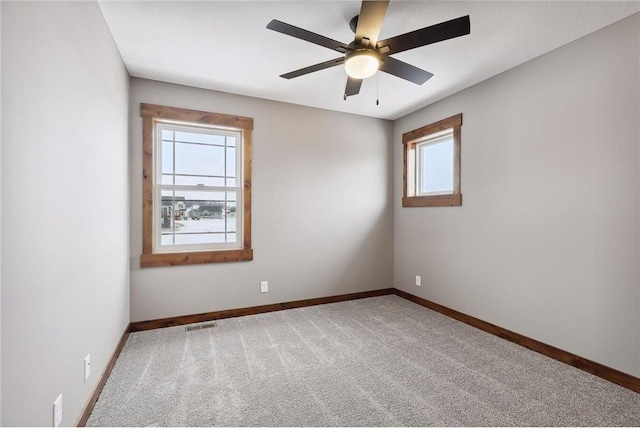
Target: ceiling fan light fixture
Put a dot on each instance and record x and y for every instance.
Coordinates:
(362, 63)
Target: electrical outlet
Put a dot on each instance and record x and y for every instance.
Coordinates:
(57, 411)
(87, 367)
(264, 286)
(418, 280)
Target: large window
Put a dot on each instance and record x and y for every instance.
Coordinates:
(197, 187)
(431, 168)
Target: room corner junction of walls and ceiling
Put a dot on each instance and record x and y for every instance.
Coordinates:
(381, 228)
(239, 55)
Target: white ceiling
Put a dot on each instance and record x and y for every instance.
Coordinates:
(225, 46)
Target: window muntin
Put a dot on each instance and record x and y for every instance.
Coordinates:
(197, 195)
(431, 164)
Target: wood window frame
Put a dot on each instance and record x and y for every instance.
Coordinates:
(410, 140)
(151, 113)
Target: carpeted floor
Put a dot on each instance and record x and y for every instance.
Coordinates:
(378, 361)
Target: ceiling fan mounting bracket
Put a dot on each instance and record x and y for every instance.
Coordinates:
(353, 24)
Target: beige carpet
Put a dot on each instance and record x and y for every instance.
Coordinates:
(378, 361)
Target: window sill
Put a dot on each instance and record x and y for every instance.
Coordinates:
(192, 258)
(454, 200)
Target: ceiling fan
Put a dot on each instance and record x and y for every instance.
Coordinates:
(366, 54)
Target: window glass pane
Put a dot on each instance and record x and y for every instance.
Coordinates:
(207, 210)
(166, 218)
(197, 159)
(182, 180)
(231, 209)
(204, 206)
(167, 157)
(167, 135)
(201, 222)
(437, 167)
(195, 217)
(231, 224)
(197, 137)
(230, 217)
(231, 162)
(200, 197)
(200, 238)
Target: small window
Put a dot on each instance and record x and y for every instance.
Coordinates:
(432, 165)
(197, 187)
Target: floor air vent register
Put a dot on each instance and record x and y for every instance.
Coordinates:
(200, 326)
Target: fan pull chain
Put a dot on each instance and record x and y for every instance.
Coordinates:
(378, 88)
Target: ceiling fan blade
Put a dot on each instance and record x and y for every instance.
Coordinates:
(299, 33)
(312, 68)
(405, 71)
(425, 36)
(353, 86)
(370, 21)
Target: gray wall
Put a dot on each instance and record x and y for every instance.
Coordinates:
(546, 242)
(321, 211)
(65, 287)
